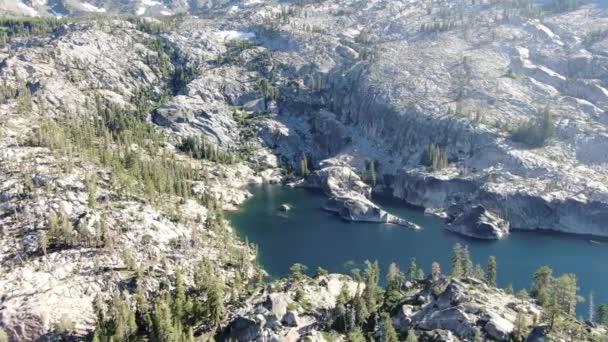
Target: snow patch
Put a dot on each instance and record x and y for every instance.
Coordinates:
(253, 2)
(233, 9)
(90, 8)
(140, 11)
(230, 35)
(165, 13)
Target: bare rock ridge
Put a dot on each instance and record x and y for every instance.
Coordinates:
(465, 93)
(463, 310)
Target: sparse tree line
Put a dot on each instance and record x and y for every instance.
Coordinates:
(434, 157)
(200, 148)
(357, 313)
(27, 27)
(537, 131)
(171, 315)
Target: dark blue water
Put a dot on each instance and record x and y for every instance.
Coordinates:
(314, 237)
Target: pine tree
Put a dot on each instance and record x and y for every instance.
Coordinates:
(372, 293)
(491, 271)
(372, 173)
(523, 295)
(591, 316)
(457, 270)
(467, 263)
(435, 270)
(411, 336)
(412, 270)
(520, 329)
(602, 314)
(340, 310)
(298, 271)
(142, 313)
(541, 286)
(179, 303)
(162, 322)
(44, 242)
(216, 303)
(479, 272)
(355, 335)
(394, 277)
(4, 336)
(361, 312)
(388, 330)
(304, 171)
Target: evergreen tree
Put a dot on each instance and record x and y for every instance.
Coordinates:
(467, 263)
(4, 336)
(372, 294)
(566, 293)
(520, 329)
(394, 277)
(411, 336)
(541, 286)
(298, 271)
(412, 270)
(215, 299)
(162, 322)
(602, 314)
(44, 242)
(388, 330)
(355, 335)
(591, 316)
(434, 157)
(179, 303)
(361, 312)
(457, 270)
(479, 272)
(435, 270)
(304, 171)
(491, 271)
(523, 295)
(372, 173)
(340, 310)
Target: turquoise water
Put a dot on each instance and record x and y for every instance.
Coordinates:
(308, 235)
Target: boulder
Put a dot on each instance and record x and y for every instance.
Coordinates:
(40, 180)
(498, 327)
(277, 303)
(256, 106)
(290, 319)
(242, 329)
(402, 321)
(477, 222)
(284, 207)
(438, 336)
(538, 334)
(453, 319)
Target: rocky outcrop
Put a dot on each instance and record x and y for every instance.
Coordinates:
(477, 222)
(349, 196)
(283, 316)
(468, 308)
(437, 310)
